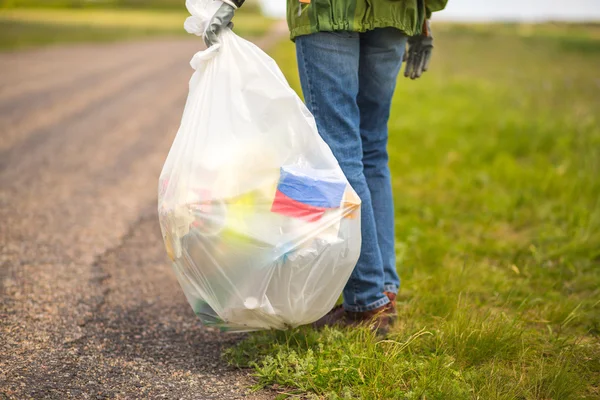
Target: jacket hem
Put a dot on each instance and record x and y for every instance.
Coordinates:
(307, 29)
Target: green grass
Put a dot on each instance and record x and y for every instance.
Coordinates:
(495, 155)
(22, 28)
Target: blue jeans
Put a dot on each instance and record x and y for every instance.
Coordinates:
(348, 80)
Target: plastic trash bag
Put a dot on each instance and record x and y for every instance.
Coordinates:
(257, 217)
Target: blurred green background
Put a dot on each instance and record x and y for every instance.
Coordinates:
(162, 4)
(31, 23)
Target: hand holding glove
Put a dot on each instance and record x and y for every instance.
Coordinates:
(419, 53)
(220, 20)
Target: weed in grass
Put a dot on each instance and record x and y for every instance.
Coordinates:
(473, 338)
(557, 380)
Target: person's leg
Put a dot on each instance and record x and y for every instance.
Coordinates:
(328, 64)
(381, 53)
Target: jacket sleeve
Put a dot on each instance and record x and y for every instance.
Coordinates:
(434, 5)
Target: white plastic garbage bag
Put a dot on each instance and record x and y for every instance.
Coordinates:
(258, 219)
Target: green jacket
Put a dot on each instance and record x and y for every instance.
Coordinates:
(359, 15)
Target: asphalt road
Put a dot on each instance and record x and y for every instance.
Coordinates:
(90, 306)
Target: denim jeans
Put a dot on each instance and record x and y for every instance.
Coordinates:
(348, 79)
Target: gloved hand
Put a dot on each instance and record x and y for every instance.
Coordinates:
(419, 53)
(221, 19)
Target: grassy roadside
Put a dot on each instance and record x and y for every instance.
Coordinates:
(23, 28)
(495, 155)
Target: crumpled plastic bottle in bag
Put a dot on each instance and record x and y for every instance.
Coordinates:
(260, 223)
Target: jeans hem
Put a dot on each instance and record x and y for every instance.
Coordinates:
(391, 288)
(368, 307)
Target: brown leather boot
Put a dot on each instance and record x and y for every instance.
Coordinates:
(392, 297)
(380, 318)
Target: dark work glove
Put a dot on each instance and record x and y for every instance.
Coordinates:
(419, 53)
(220, 20)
